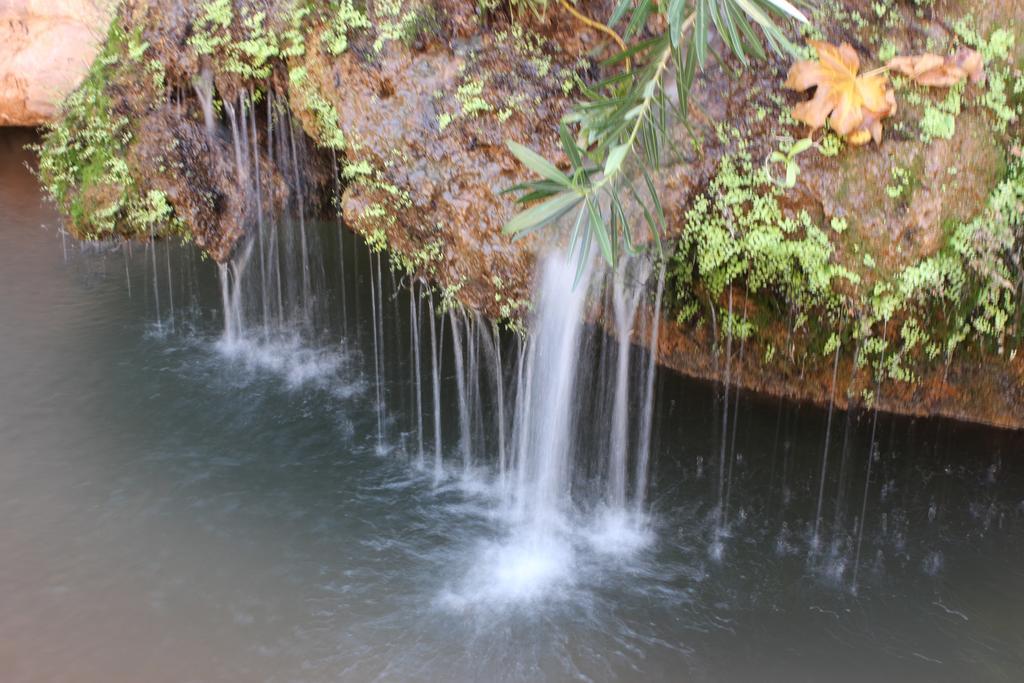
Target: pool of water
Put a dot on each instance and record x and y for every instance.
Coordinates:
(174, 507)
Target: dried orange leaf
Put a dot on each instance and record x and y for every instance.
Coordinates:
(853, 105)
(935, 71)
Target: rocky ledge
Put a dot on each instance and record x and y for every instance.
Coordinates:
(895, 267)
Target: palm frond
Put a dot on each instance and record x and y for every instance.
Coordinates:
(622, 123)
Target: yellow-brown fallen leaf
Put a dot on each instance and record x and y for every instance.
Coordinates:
(853, 105)
(935, 71)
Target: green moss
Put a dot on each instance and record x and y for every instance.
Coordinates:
(470, 97)
(249, 54)
(307, 96)
(344, 17)
(737, 233)
(83, 155)
(938, 121)
(900, 186)
(1003, 94)
(394, 23)
(293, 38)
(421, 261)
(965, 296)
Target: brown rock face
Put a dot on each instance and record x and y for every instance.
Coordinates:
(431, 119)
(45, 50)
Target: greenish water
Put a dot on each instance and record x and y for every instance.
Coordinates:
(175, 508)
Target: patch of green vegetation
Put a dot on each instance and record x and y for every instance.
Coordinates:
(511, 310)
(82, 157)
(422, 260)
(450, 295)
(393, 23)
(248, 54)
(938, 121)
(528, 45)
(900, 186)
(344, 17)
(965, 296)
(737, 233)
(305, 94)
(293, 38)
(470, 97)
(831, 145)
(1004, 86)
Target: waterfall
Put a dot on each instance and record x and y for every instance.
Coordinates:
(815, 538)
(624, 308)
(414, 327)
(465, 439)
(151, 248)
(204, 93)
(492, 348)
(435, 385)
(375, 296)
(646, 424)
(544, 431)
(565, 445)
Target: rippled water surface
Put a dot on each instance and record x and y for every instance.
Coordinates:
(178, 508)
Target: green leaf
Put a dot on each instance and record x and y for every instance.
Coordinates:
(700, 29)
(619, 11)
(785, 7)
(792, 171)
(615, 158)
(639, 19)
(581, 263)
(577, 229)
(538, 216)
(600, 231)
(537, 163)
(675, 20)
(800, 146)
(569, 145)
(686, 71)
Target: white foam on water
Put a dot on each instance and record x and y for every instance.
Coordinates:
(525, 568)
(618, 532)
(295, 362)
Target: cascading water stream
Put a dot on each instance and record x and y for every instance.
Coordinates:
(415, 301)
(647, 421)
(624, 308)
(435, 392)
(544, 431)
(526, 436)
(465, 430)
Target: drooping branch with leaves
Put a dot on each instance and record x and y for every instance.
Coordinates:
(616, 137)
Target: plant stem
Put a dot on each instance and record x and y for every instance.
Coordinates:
(646, 106)
(598, 26)
(876, 72)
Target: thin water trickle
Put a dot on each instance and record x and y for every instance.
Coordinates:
(465, 429)
(647, 418)
(435, 391)
(415, 302)
(816, 539)
(624, 309)
(378, 384)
